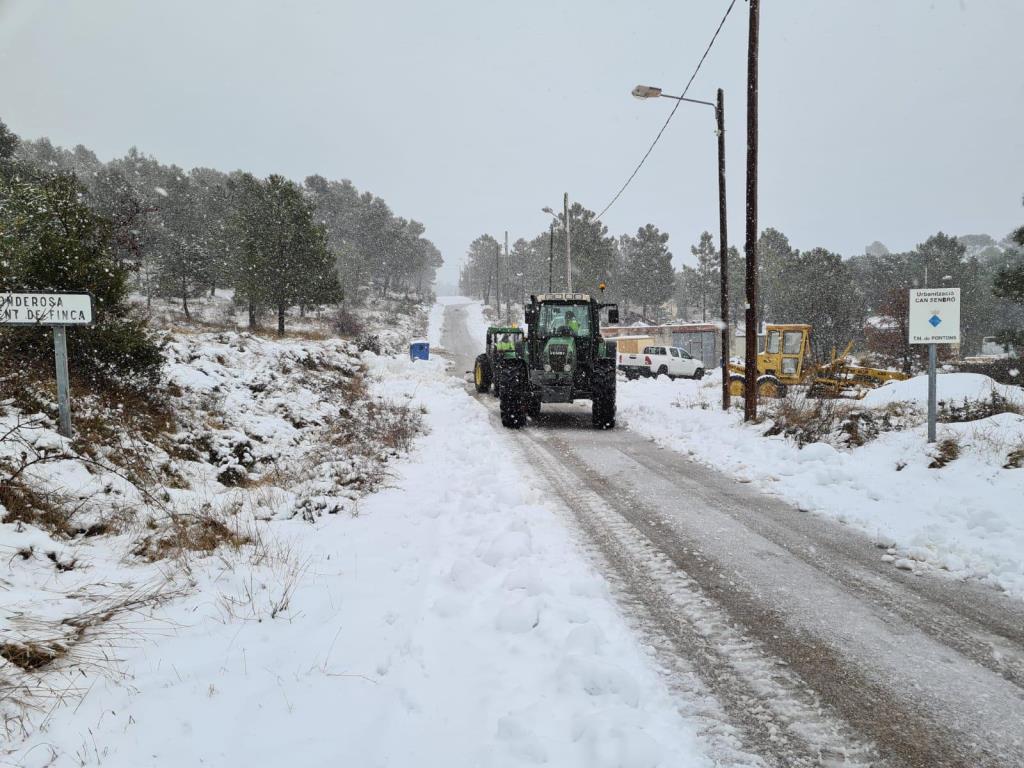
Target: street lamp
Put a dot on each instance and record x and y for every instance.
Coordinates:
(568, 244)
(652, 92)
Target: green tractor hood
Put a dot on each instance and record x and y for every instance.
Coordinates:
(559, 355)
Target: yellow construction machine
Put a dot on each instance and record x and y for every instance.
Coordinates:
(786, 361)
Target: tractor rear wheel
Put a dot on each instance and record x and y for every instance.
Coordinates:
(482, 373)
(737, 384)
(603, 412)
(511, 399)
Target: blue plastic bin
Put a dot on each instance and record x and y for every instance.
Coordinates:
(419, 350)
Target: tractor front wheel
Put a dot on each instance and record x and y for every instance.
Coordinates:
(533, 407)
(603, 412)
(511, 396)
(482, 373)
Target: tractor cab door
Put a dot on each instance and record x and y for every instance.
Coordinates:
(791, 360)
(784, 352)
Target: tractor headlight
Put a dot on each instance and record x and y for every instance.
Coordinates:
(547, 366)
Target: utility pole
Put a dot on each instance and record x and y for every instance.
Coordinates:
(723, 241)
(497, 279)
(508, 285)
(750, 246)
(551, 259)
(568, 248)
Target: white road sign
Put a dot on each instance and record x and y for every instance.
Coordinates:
(935, 316)
(45, 309)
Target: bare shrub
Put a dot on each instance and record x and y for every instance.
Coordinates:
(808, 420)
(805, 419)
(375, 425)
(347, 323)
(952, 411)
(369, 342)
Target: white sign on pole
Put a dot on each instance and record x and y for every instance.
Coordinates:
(45, 309)
(934, 316)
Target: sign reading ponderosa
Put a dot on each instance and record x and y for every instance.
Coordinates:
(45, 309)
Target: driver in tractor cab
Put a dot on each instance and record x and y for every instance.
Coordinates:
(572, 322)
(504, 344)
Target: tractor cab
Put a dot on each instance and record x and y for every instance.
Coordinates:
(786, 347)
(502, 340)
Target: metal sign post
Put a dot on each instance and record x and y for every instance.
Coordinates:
(934, 319)
(51, 309)
(60, 352)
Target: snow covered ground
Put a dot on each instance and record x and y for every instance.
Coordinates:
(448, 619)
(965, 516)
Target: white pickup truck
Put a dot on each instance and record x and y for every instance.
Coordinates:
(660, 361)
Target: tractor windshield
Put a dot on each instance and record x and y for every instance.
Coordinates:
(564, 320)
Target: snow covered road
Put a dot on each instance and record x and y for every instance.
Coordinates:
(786, 626)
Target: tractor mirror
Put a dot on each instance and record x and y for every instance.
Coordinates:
(613, 316)
(531, 315)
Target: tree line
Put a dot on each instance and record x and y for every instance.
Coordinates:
(843, 298)
(277, 243)
(69, 222)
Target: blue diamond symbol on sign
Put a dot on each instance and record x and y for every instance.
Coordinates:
(935, 320)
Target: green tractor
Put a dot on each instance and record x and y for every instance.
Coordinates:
(562, 359)
(501, 343)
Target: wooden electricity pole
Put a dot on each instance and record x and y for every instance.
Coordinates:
(497, 280)
(750, 246)
(723, 241)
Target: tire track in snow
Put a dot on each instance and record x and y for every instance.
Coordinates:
(989, 631)
(776, 715)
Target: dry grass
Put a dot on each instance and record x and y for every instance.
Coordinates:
(180, 536)
(47, 511)
(269, 597)
(47, 657)
(946, 451)
(1015, 458)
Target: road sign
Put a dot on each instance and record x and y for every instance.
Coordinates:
(934, 316)
(45, 309)
(934, 319)
(51, 309)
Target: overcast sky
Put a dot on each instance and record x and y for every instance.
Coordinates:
(880, 119)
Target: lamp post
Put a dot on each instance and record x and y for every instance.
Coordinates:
(568, 243)
(564, 224)
(650, 92)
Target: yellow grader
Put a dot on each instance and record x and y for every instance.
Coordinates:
(786, 361)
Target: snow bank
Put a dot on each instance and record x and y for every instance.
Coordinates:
(964, 517)
(477, 321)
(949, 387)
(448, 620)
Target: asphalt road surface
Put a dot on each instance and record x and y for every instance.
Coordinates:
(784, 634)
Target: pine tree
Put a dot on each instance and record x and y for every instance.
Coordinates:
(647, 273)
(708, 276)
(50, 241)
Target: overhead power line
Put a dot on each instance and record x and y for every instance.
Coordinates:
(670, 114)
